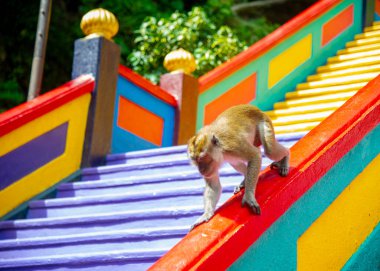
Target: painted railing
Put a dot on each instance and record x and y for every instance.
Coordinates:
(144, 115)
(41, 142)
(324, 216)
(263, 73)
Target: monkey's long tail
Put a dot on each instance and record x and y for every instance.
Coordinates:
(272, 148)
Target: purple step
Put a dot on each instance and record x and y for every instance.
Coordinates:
(177, 216)
(143, 183)
(179, 152)
(148, 239)
(147, 156)
(137, 170)
(119, 260)
(145, 200)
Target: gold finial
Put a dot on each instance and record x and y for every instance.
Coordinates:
(99, 22)
(180, 61)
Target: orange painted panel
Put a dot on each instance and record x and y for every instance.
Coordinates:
(242, 93)
(139, 121)
(337, 25)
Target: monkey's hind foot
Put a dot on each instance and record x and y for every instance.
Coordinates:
(282, 166)
(239, 187)
(255, 207)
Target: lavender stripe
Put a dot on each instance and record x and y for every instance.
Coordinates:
(32, 155)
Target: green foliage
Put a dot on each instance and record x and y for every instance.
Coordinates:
(10, 95)
(193, 31)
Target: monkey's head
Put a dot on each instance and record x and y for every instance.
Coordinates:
(205, 152)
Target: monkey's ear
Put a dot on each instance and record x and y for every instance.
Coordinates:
(215, 141)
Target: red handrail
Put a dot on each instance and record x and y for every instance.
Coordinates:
(26, 112)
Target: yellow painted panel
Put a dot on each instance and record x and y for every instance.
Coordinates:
(333, 238)
(38, 181)
(291, 58)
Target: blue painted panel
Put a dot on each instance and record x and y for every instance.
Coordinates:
(123, 141)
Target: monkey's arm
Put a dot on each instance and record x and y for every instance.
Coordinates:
(211, 197)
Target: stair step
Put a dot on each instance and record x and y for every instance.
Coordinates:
(118, 260)
(342, 80)
(146, 155)
(175, 216)
(350, 64)
(351, 56)
(363, 41)
(147, 239)
(359, 48)
(324, 90)
(345, 72)
(372, 28)
(299, 127)
(146, 200)
(138, 169)
(301, 118)
(315, 100)
(370, 34)
(297, 110)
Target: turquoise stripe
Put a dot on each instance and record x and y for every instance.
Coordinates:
(367, 257)
(276, 249)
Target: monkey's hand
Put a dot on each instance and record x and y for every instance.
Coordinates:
(251, 202)
(202, 219)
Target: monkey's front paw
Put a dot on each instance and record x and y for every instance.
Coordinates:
(252, 203)
(204, 218)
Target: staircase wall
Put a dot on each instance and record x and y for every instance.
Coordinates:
(41, 142)
(321, 215)
(273, 66)
(144, 114)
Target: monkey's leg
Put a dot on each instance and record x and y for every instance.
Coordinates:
(242, 168)
(211, 195)
(272, 149)
(251, 179)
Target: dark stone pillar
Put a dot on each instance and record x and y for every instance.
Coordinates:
(99, 57)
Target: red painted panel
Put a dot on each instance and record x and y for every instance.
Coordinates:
(147, 85)
(26, 112)
(243, 93)
(140, 121)
(259, 48)
(337, 25)
(217, 244)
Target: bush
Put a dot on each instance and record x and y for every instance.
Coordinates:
(194, 32)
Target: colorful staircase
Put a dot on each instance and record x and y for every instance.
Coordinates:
(122, 216)
(127, 214)
(331, 86)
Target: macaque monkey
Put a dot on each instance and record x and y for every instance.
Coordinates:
(235, 137)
